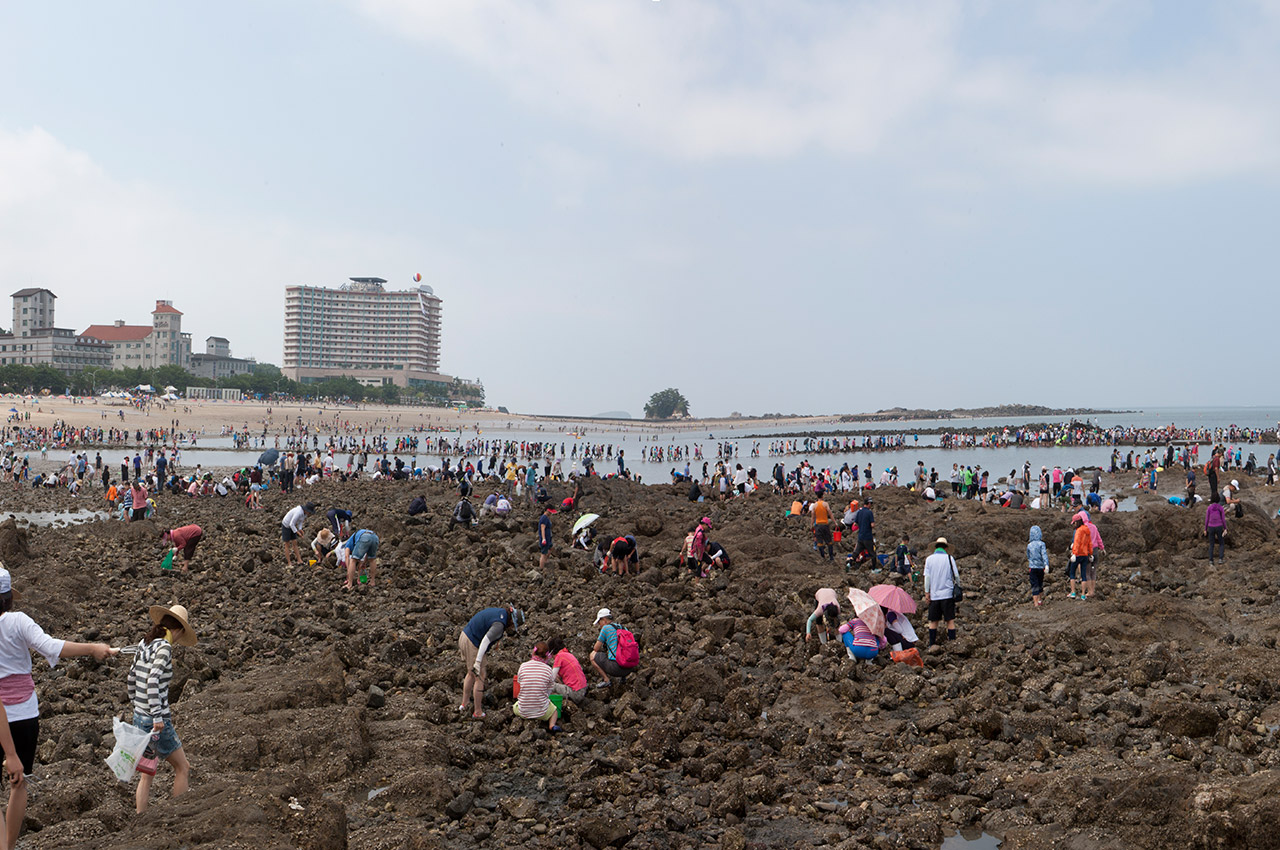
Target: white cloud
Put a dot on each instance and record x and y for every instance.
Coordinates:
(108, 249)
(700, 80)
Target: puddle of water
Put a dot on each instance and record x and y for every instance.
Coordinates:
(56, 519)
(1127, 504)
(374, 792)
(970, 839)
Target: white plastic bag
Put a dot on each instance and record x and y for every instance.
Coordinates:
(130, 744)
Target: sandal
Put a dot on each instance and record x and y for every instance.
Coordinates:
(479, 716)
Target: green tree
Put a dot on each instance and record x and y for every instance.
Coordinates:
(665, 404)
(390, 394)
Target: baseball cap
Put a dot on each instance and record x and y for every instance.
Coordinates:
(602, 614)
(309, 508)
(1235, 483)
(6, 585)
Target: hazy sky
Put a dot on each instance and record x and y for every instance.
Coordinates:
(794, 207)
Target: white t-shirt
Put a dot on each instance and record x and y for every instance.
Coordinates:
(294, 519)
(19, 635)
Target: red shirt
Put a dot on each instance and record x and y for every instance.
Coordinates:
(180, 537)
(570, 670)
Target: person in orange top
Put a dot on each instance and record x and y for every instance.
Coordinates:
(1081, 557)
(822, 528)
(112, 494)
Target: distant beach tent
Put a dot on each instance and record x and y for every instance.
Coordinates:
(145, 388)
(171, 397)
(171, 389)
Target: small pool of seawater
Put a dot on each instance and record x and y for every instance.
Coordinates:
(970, 839)
(55, 519)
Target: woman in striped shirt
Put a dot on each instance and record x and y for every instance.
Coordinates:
(861, 642)
(536, 678)
(149, 679)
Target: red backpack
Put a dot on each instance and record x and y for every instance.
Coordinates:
(627, 653)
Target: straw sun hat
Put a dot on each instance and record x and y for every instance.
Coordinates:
(179, 613)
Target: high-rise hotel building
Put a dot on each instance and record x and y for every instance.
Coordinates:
(363, 331)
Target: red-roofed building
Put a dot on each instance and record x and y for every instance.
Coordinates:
(162, 343)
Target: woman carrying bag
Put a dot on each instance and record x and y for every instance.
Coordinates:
(149, 679)
(19, 637)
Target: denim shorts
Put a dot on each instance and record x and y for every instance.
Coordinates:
(168, 742)
(366, 547)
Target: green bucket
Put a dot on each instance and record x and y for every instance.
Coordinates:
(558, 701)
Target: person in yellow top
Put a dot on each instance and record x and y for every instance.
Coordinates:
(511, 476)
(822, 528)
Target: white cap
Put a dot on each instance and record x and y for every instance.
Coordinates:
(1235, 483)
(602, 614)
(6, 583)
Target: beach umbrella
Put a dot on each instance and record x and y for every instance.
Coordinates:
(269, 457)
(584, 521)
(893, 597)
(867, 610)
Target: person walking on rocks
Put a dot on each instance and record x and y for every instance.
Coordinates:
(822, 535)
(291, 530)
(865, 520)
(183, 539)
(138, 504)
(480, 634)
(1037, 563)
(940, 576)
(1215, 528)
(148, 687)
(544, 536)
(19, 637)
(1081, 557)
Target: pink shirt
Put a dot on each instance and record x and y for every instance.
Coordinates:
(570, 670)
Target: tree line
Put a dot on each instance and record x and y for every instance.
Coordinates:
(266, 380)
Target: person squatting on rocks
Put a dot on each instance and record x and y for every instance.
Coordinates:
(536, 678)
(570, 682)
(148, 688)
(607, 656)
(940, 576)
(19, 637)
(480, 634)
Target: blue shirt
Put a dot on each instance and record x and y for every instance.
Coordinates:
(479, 624)
(609, 637)
(863, 519)
(544, 530)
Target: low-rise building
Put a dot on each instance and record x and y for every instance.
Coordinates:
(35, 341)
(217, 362)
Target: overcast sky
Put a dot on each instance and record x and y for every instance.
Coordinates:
(795, 207)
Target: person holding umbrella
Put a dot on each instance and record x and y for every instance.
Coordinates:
(863, 636)
(896, 604)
